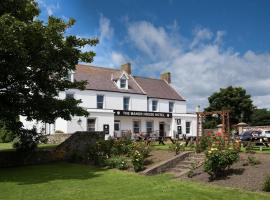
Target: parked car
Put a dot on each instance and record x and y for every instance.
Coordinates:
(256, 134)
(265, 134)
(246, 136)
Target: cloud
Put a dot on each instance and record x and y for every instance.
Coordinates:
(106, 30)
(201, 66)
(49, 7)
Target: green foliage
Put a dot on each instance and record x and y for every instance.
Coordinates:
(260, 117)
(119, 162)
(138, 161)
(236, 100)
(27, 140)
(217, 161)
(177, 147)
(6, 135)
(122, 146)
(266, 184)
(253, 161)
(36, 58)
(141, 147)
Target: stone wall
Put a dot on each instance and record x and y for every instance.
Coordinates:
(58, 138)
(77, 142)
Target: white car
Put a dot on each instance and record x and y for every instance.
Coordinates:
(265, 134)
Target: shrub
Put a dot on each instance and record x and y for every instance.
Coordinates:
(122, 146)
(177, 147)
(218, 160)
(119, 162)
(266, 184)
(142, 148)
(101, 151)
(249, 147)
(253, 161)
(137, 161)
(5, 135)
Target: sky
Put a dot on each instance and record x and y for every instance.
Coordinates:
(205, 44)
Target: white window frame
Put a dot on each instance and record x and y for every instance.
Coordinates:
(188, 132)
(152, 128)
(99, 102)
(126, 97)
(153, 105)
(87, 124)
(119, 124)
(173, 104)
(138, 127)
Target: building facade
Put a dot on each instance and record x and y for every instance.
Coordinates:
(119, 102)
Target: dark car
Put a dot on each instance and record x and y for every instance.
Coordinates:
(246, 136)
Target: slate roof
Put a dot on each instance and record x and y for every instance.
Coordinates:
(157, 88)
(100, 78)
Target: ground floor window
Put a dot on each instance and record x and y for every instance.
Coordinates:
(91, 124)
(117, 125)
(188, 124)
(136, 126)
(149, 127)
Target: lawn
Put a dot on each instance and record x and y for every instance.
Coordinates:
(8, 146)
(74, 181)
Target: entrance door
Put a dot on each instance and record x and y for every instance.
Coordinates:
(161, 129)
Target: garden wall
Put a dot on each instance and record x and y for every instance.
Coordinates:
(58, 138)
(77, 142)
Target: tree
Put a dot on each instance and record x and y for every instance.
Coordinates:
(234, 99)
(35, 59)
(260, 117)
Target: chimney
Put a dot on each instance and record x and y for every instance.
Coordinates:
(166, 77)
(126, 67)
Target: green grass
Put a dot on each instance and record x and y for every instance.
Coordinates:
(74, 181)
(8, 146)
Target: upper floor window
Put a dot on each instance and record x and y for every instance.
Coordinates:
(171, 106)
(100, 101)
(154, 105)
(188, 124)
(126, 103)
(123, 82)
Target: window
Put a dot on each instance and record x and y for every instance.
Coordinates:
(123, 82)
(188, 124)
(149, 127)
(91, 124)
(69, 96)
(126, 103)
(100, 99)
(171, 106)
(154, 105)
(116, 125)
(136, 126)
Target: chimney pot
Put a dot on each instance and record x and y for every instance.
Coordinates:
(166, 77)
(126, 67)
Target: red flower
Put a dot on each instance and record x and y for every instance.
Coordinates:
(219, 134)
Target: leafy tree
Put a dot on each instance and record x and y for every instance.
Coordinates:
(234, 99)
(35, 59)
(260, 117)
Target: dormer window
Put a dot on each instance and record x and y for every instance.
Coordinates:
(123, 82)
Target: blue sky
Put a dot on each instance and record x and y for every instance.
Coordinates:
(206, 44)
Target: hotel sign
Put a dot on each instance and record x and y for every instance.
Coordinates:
(142, 114)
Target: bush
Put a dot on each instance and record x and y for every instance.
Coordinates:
(137, 161)
(218, 160)
(27, 140)
(253, 161)
(119, 162)
(5, 135)
(100, 152)
(141, 147)
(122, 146)
(266, 184)
(177, 147)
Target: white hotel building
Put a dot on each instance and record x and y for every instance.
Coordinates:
(121, 102)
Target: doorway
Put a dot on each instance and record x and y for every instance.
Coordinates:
(162, 129)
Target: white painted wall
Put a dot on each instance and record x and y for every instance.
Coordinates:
(112, 100)
(185, 118)
(163, 105)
